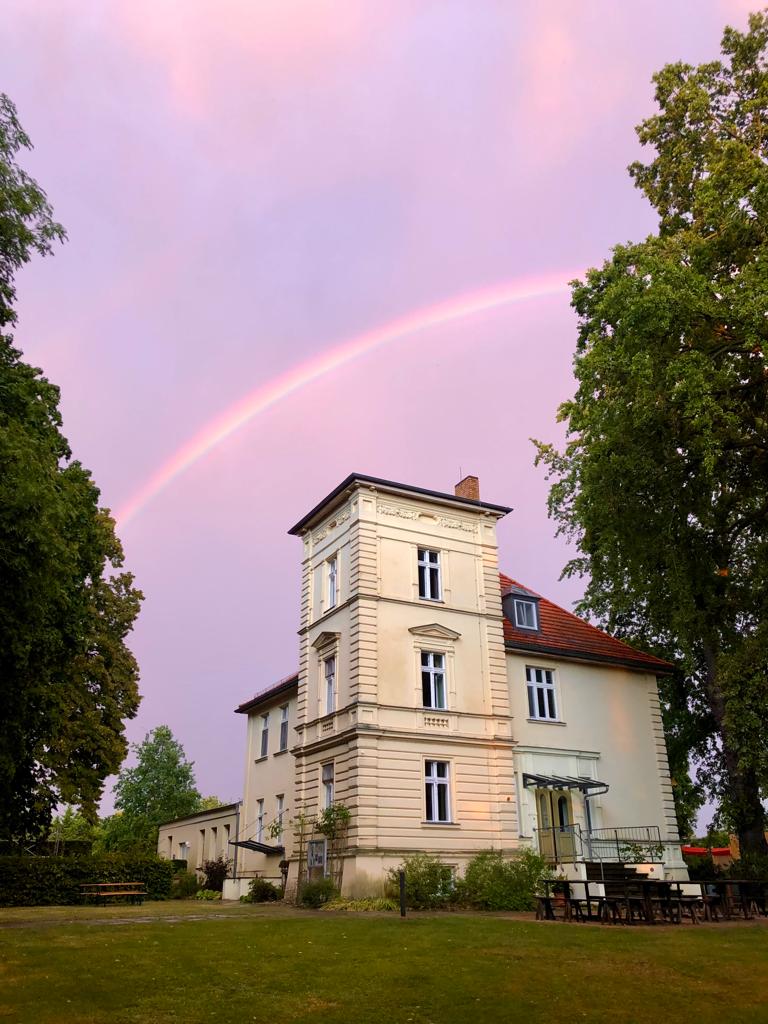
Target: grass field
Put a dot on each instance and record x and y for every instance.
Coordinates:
(192, 962)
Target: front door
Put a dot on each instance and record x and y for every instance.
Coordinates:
(555, 814)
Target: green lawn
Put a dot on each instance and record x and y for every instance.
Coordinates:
(191, 962)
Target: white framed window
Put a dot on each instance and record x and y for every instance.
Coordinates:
(259, 821)
(284, 727)
(264, 735)
(280, 809)
(328, 782)
(329, 666)
(332, 576)
(436, 791)
(542, 697)
(433, 680)
(429, 575)
(183, 851)
(526, 614)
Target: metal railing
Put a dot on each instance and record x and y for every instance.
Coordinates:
(566, 844)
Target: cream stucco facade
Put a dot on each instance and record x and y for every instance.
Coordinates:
(401, 591)
(364, 614)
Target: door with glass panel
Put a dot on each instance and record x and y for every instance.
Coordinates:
(555, 816)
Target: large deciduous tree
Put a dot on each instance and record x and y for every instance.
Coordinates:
(159, 788)
(663, 483)
(67, 679)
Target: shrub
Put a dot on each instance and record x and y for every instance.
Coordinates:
(50, 881)
(262, 891)
(315, 894)
(367, 904)
(752, 866)
(495, 882)
(208, 894)
(184, 885)
(428, 882)
(215, 871)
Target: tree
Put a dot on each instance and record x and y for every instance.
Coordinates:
(159, 788)
(663, 484)
(67, 679)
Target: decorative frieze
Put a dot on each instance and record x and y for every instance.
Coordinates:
(337, 520)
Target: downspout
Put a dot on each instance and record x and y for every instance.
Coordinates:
(237, 840)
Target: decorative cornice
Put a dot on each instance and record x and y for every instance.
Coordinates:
(341, 517)
(435, 631)
(326, 639)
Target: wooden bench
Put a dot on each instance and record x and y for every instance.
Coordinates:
(103, 892)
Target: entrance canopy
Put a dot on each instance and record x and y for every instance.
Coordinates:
(251, 844)
(585, 785)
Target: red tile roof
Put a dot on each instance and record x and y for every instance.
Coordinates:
(286, 683)
(562, 632)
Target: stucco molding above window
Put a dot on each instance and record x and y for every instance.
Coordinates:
(326, 639)
(434, 631)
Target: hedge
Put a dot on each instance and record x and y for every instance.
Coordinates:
(48, 881)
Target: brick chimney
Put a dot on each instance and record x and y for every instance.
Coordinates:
(469, 487)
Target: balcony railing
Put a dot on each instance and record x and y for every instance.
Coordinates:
(630, 844)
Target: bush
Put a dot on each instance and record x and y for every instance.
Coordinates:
(184, 885)
(702, 868)
(751, 867)
(51, 881)
(428, 882)
(215, 871)
(315, 894)
(495, 882)
(367, 904)
(208, 894)
(262, 891)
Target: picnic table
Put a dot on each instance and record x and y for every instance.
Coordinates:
(642, 900)
(103, 892)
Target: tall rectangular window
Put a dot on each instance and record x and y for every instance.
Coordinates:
(438, 804)
(284, 727)
(542, 699)
(433, 680)
(330, 684)
(429, 574)
(328, 783)
(333, 581)
(259, 821)
(280, 801)
(264, 735)
(225, 841)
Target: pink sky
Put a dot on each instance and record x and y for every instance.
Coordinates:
(247, 184)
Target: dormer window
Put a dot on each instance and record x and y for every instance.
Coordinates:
(526, 614)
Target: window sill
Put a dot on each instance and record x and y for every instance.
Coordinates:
(442, 824)
(277, 753)
(432, 600)
(262, 758)
(546, 721)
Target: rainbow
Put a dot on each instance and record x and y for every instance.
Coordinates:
(275, 390)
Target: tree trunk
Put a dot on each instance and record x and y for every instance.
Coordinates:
(744, 804)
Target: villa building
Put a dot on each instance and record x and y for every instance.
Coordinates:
(450, 708)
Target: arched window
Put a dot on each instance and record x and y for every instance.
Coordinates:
(562, 811)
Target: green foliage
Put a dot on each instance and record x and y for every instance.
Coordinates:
(493, 881)
(262, 891)
(160, 788)
(47, 881)
(429, 882)
(67, 679)
(184, 885)
(214, 872)
(702, 868)
(208, 895)
(663, 485)
(26, 217)
(333, 821)
(752, 866)
(368, 904)
(71, 826)
(315, 894)
(208, 803)
(121, 834)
